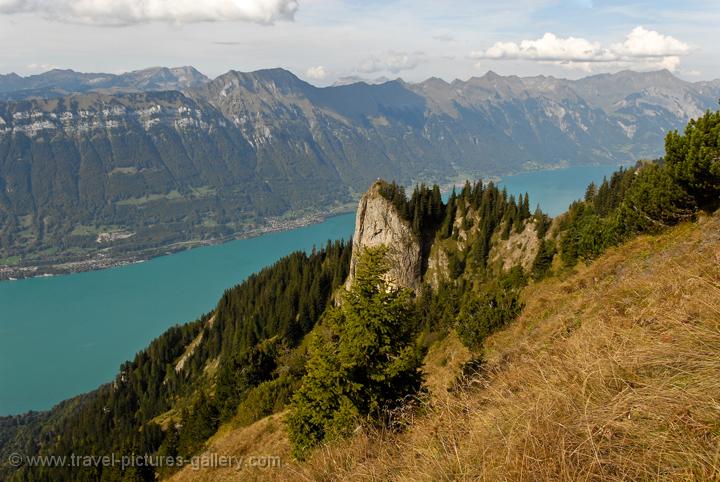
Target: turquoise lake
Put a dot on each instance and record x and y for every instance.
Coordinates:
(65, 335)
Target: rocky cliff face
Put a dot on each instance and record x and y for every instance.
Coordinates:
(379, 223)
(518, 249)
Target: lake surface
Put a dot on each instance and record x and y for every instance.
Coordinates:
(65, 335)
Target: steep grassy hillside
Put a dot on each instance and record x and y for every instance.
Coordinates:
(617, 382)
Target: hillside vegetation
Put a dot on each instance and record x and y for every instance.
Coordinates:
(617, 382)
(579, 347)
(599, 378)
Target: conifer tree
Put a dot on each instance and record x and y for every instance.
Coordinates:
(590, 192)
(363, 360)
(694, 159)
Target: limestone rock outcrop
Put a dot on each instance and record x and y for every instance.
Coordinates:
(379, 223)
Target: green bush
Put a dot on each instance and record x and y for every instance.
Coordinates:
(483, 313)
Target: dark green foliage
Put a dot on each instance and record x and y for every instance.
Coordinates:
(446, 228)
(490, 208)
(655, 201)
(198, 424)
(456, 265)
(241, 372)
(395, 193)
(437, 309)
(512, 279)
(693, 158)
(542, 223)
(587, 235)
(267, 398)
(590, 192)
(285, 299)
(649, 197)
(543, 260)
(424, 209)
(362, 363)
(432, 220)
(483, 313)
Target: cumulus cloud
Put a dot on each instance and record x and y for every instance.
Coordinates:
(645, 43)
(547, 48)
(394, 62)
(126, 12)
(316, 73)
(641, 48)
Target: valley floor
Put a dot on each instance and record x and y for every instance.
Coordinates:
(610, 373)
(64, 263)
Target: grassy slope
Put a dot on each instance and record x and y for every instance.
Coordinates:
(610, 373)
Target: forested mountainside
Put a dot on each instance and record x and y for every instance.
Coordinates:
(335, 356)
(243, 350)
(610, 372)
(125, 168)
(137, 171)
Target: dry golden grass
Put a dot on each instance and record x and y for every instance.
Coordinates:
(611, 373)
(251, 445)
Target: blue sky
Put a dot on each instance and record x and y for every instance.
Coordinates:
(325, 40)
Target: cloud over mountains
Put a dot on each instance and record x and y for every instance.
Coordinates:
(641, 48)
(391, 61)
(127, 12)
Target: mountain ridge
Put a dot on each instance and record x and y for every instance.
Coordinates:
(221, 157)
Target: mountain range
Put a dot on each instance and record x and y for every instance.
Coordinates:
(131, 163)
(60, 82)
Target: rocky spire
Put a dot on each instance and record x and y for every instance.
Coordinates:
(379, 223)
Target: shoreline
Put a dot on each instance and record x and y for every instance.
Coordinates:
(100, 260)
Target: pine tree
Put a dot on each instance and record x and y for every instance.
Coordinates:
(543, 259)
(525, 207)
(694, 159)
(362, 362)
(590, 192)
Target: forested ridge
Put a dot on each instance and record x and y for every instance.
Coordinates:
(275, 306)
(251, 357)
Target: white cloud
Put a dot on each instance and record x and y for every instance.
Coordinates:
(547, 48)
(40, 67)
(126, 12)
(643, 43)
(642, 48)
(316, 73)
(394, 62)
